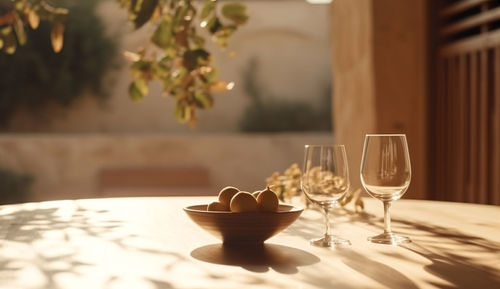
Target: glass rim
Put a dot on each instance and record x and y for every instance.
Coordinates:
(319, 145)
(385, 134)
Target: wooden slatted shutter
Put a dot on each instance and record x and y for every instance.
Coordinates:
(466, 103)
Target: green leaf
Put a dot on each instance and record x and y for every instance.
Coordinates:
(212, 75)
(203, 99)
(177, 76)
(142, 85)
(207, 9)
(162, 36)
(134, 93)
(57, 37)
(194, 58)
(20, 33)
(160, 70)
(6, 30)
(144, 9)
(235, 12)
(213, 25)
(182, 111)
(179, 112)
(197, 40)
(178, 20)
(10, 43)
(141, 69)
(222, 36)
(138, 89)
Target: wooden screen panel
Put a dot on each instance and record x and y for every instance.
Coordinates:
(495, 168)
(440, 103)
(461, 139)
(448, 136)
(452, 117)
(473, 169)
(467, 103)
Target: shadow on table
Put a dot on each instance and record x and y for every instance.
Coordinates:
(256, 258)
(39, 239)
(379, 272)
(460, 271)
(446, 263)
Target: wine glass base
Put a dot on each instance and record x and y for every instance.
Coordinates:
(389, 239)
(329, 241)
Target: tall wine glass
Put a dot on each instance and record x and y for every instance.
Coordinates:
(386, 175)
(325, 180)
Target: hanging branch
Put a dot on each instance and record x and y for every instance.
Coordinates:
(17, 15)
(180, 62)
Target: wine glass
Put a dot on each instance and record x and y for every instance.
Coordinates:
(325, 180)
(386, 175)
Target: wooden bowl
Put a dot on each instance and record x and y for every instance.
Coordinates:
(248, 227)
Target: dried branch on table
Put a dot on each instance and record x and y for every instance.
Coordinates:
(287, 186)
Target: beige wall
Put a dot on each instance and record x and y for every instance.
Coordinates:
(68, 166)
(400, 55)
(380, 64)
(290, 39)
(353, 80)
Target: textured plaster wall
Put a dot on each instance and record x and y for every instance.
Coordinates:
(68, 166)
(379, 73)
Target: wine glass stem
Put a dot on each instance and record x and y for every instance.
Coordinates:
(326, 211)
(387, 218)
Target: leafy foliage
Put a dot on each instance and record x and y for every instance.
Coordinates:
(267, 113)
(183, 66)
(14, 187)
(15, 15)
(35, 75)
(180, 61)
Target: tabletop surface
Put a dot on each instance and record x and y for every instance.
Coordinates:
(151, 243)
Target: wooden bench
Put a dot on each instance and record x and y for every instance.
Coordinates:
(154, 181)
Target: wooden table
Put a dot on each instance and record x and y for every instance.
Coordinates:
(151, 243)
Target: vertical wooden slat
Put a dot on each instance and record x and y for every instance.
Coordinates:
(448, 131)
(483, 128)
(461, 124)
(495, 188)
(472, 184)
(453, 127)
(442, 131)
(450, 188)
(438, 157)
(436, 192)
(443, 87)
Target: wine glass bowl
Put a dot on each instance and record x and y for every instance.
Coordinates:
(325, 180)
(385, 174)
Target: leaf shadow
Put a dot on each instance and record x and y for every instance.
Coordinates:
(446, 263)
(27, 241)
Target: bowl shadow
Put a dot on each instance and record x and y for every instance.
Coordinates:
(256, 258)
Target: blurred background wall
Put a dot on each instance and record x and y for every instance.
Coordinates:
(429, 69)
(284, 51)
(101, 144)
